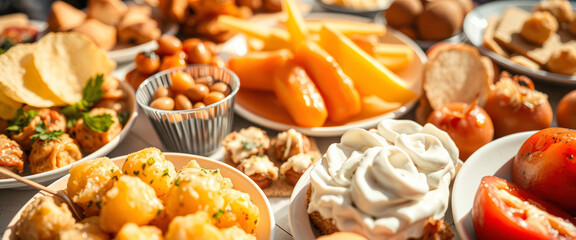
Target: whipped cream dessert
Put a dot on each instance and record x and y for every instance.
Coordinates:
(387, 182)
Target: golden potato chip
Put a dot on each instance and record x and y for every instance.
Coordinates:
(8, 107)
(20, 80)
(66, 61)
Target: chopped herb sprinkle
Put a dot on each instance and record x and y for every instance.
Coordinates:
(136, 173)
(150, 161)
(217, 214)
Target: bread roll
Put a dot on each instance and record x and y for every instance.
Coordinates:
(456, 73)
(403, 12)
(64, 17)
(440, 20)
(102, 34)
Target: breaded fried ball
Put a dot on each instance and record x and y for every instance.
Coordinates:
(539, 27)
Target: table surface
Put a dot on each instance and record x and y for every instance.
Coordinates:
(11, 200)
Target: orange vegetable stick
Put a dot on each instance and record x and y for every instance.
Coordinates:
(299, 95)
(256, 69)
(342, 99)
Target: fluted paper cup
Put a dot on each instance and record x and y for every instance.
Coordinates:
(197, 131)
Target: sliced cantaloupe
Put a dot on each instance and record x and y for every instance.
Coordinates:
(369, 76)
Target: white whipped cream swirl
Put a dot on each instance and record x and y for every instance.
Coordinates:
(385, 183)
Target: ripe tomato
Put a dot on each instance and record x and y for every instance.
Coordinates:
(515, 108)
(566, 111)
(503, 210)
(469, 127)
(546, 166)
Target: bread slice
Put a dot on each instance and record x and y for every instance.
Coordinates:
(457, 73)
(102, 34)
(488, 37)
(107, 11)
(64, 17)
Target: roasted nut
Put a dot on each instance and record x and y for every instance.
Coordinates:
(163, 103)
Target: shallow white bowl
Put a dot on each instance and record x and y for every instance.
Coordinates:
(241, 182)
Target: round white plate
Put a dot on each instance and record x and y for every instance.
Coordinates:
(300, 225)
(241, 182)
(56, 173)
(476, 21)
(127, 54)
(413, 75)
(348, 10)
(493, 159)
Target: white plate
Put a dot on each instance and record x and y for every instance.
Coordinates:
(349, 10)
(300, 225)
(126, 54)
(476, 21)
(493, 159)
(413, 75)
(56, 173)
(241, 182)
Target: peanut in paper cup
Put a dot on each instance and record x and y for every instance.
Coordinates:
(197, 131)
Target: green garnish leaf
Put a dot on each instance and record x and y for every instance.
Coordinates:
(91, 94)
(158, 212)
(22, 119)
(98, 123)
(123, 117)
(166, 172)
(248, 145)
(136, 173)
(217, 214)
(177, 182)
(43, 134)
(151, 161)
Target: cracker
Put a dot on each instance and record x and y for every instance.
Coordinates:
(488, 37)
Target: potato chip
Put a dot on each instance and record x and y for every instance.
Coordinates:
(20, 79)
(66, 61)
(8, 107)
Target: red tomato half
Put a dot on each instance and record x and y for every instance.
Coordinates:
(503, 210)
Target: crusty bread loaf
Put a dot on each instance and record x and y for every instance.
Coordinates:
(457, 73)
(102, 34)
(64, 17)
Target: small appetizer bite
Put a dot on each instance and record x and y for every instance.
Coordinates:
(89, 181)
(290, 143)
(43, 219)
(96, 129)
(52, 150)
(260, 169)
(151, 166)
(23, 126)
(295, 166)
(11, 155)
(88, 228)
(245, 143)
(131, 231)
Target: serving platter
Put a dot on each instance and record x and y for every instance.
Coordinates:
(263, 108)
(241, 182)
(493, 159)
(476, 22)
(348, 10)
(56, 173)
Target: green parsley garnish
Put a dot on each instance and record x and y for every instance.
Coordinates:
(143, 166)
(136, 173)
(123, 117)
(217, 214)
(91, 94)
(151, 161)
(177, 182)
(43, 134)
(158, 212)
(99, 204)
(22, 119)
(98, 123)
(248, 145)
(166, 172)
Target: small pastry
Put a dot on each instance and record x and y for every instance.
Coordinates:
(563, 61)
(539, 27)
(245, 143)
(296, 165)
(290, 143)
(260, 169)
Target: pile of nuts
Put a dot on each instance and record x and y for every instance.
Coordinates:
(188, 93)
(173, 53)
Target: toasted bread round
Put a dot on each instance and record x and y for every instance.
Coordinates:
(457, 73)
